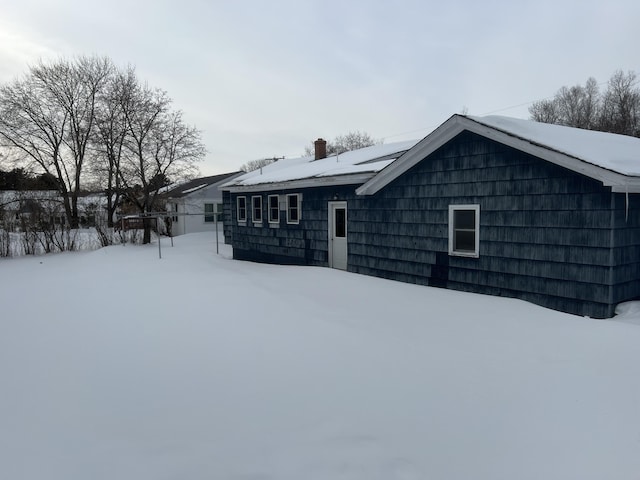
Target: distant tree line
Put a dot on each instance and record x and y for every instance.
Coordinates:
(20, 179)
(252, 165)
(86, 121)
(341, 144)
(615, 109)
(345, 143)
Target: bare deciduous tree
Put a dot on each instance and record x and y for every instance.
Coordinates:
(110, 135)
(159, 146)
(252, 165)
(346, 143)
(48, 116)
(578, 106)
(66, 116)
(616, 110)
(621, 105)
(545, 111)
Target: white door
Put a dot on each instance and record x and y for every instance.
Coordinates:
(338, 235)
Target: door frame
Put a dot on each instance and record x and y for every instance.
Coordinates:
(332, 206)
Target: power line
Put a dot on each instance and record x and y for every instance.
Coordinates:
(430, 128)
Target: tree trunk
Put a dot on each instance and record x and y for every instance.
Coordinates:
(147, 232)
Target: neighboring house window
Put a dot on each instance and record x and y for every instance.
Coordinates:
(274, 209)
(219, 211)
(464, 229)
(293, 208)
(174, 218)
(242, 209)
(209, 213)
(256, 203)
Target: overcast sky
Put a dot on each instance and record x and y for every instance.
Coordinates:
(265, 78)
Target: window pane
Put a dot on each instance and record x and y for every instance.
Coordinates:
(208, 208)
(257, 209)
(242, 209)
(464, 241)
(464, 219)
(341, 222)
(274, 208)
(293, 209)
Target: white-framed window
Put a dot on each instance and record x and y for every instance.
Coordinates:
(274, 208)
(209, 213)
(293, 208)
(219, 211)
(174, 208)
(241, 204)
(256, 208)
(464, 230)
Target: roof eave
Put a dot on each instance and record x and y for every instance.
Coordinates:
(329, 181)
(631, 186)
(177, 192)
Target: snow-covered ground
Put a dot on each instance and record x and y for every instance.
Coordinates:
(117, 365)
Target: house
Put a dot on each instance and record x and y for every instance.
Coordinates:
(194, 205)
(493, 205)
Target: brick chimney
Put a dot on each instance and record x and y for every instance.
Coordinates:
(321, 148)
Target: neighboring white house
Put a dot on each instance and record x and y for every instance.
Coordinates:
(194, 205)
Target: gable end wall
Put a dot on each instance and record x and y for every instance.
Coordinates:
(545, 231)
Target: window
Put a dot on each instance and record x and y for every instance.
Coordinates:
(464, 227)
(274, 209)
(209, 213)
(242, 209)
(293, 208)
(174, 218)
(256, 203)
(340, 223)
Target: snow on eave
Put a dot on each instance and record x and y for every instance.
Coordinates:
(193, 189)
(320, 181)
(180, 190)
(541, 140)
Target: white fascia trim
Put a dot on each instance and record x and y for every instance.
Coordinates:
(354, 179)
(630, 187)
(457, 124)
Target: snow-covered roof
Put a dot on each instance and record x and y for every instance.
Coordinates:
(610, 158)
(194, 189)
(619, 153)
(196, 184)
(353, 167)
